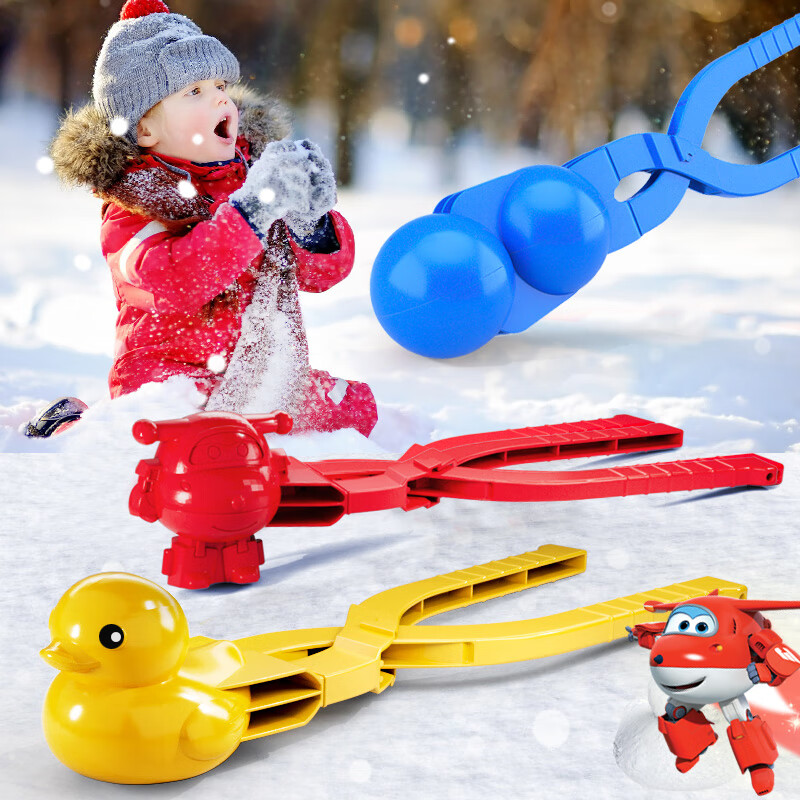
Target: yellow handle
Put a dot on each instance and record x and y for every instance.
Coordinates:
(501, 643)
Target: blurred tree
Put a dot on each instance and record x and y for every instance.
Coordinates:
(8, 36)
(342, 48)
(593, 58)
(550, 73)
(764, 108)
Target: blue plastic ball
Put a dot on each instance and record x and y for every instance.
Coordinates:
(442, 286)
(556, 229)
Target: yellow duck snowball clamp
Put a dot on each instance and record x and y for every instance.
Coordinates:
(138, 701)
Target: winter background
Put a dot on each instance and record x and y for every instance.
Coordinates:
(696, 325)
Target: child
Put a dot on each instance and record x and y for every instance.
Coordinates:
(209, 224)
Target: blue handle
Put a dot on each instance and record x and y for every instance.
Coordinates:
(497, 257)
(676, 159)
(705, 91)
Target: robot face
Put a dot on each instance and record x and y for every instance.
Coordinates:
(691, 620)
(225, 449)
(702, 654)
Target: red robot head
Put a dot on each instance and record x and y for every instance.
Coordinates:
(702, 655)
(213, 476)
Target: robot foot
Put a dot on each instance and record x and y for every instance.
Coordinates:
(191, 564)
(197, 565)
(763, 779)
(687, 737)
(754, 748)
(242, 559)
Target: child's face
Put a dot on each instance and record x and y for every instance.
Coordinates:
(198, 123)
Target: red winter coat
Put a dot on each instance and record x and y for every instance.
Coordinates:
(183, 285)
(184, 267)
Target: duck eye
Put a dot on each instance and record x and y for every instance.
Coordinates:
(111, 636)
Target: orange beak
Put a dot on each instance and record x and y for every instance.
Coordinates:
(66, 659)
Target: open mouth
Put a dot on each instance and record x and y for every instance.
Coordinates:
(684, 687)
(222, 130)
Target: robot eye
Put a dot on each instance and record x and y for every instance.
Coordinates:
(691, 620)
(705, 625)
(111, 636)
(678, 622)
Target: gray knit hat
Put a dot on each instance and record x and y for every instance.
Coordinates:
(151, 53)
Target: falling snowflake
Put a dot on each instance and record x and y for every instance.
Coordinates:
(762, 346)
(82, 262)
(551, 728)
(198, 139)
(44, 165)
(266, 195)
(217, 363)
(360, 771)
(423, 78)
(618, 558)
(185, 189)
(451, 40)
(119, 126)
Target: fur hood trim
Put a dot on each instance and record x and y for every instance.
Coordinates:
(86, 153)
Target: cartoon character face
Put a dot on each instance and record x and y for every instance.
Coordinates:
(119, 630)
(212, 478)
(702, 655)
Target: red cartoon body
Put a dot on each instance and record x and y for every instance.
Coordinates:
(213, 485)
(712, 650)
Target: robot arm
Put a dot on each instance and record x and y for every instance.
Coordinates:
(773, 661)
(646, 633)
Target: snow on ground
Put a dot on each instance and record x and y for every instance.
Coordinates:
(697, 325)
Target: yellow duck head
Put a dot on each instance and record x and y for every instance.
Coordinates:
(119, 630)
(120, 709)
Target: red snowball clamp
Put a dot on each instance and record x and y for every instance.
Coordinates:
(215, 482)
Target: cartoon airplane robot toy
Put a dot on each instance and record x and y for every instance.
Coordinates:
(712, 650)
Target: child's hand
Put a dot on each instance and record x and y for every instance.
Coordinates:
(291, 181)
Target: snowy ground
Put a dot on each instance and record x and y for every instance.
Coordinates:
(696, 325)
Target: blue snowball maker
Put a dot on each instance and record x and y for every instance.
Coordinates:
(555, 227)
(442, 286)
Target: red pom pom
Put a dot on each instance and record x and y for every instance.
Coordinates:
(141, 8)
